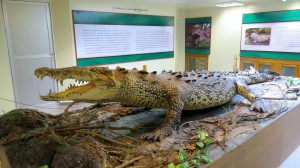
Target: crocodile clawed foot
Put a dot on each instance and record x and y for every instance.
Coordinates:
(261, 106)
(157, 135)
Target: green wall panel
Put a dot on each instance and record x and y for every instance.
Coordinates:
(197, 51)
(125, 58)
(85, 17)
(198, 20)
(278, 16)
(278, 55)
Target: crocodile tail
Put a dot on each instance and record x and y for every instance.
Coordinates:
(269, 72)
(260, 76)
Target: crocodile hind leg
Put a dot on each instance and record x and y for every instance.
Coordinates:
(171, 122)
(257, 103)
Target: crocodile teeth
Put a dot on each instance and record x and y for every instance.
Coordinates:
(50, 93)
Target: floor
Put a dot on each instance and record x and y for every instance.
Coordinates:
(293, 161)
(57, 108)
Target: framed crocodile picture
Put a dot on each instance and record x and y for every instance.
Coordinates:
(198, 35)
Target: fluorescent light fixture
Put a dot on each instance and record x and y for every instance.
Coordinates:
(229, 4)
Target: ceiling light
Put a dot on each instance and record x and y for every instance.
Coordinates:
(229, 4)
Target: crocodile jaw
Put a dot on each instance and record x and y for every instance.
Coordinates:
(98, 88)
(91, 92)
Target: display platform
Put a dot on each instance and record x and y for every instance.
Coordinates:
(241, 137)
(268, 147)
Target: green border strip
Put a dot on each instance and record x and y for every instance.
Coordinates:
(198, 20)
(124, 58)
(90, 17)
(197, 51)
(278, 16)
(278, 55)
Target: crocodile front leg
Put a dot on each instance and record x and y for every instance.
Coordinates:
(257, 103)
(171, 122)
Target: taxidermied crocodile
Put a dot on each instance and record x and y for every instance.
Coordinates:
(174, 91)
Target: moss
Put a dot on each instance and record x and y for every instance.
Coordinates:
(33, 152)
(23, 118)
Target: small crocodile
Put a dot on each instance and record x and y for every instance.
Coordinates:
(175, 91)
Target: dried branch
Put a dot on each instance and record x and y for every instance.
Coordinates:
(58, 129)
(129, 162)
(103, 137)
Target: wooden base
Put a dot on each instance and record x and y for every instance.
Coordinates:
(268, 148)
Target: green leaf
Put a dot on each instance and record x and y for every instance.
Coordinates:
(171, 165)
(185, 165)
(207, 141)
(197, 157)
(202, 135)
(196, 160)
(179, 166)
(44, 166)
(196, 163)
(206, 159)
(206, 150)
(182, 155)
(200, 144)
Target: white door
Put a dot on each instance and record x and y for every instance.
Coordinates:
(29, 39)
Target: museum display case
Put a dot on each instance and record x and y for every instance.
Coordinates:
(196, 62)
(282, 66)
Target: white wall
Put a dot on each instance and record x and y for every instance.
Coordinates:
(226, 29)
(180, 40)
(6, 88)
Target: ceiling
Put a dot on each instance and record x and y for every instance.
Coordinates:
(197, 3)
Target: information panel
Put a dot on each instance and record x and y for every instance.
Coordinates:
(278, 36)
(106, 38)
(271, 35)
(115, 40)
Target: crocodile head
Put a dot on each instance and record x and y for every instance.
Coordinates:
(96, 84)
